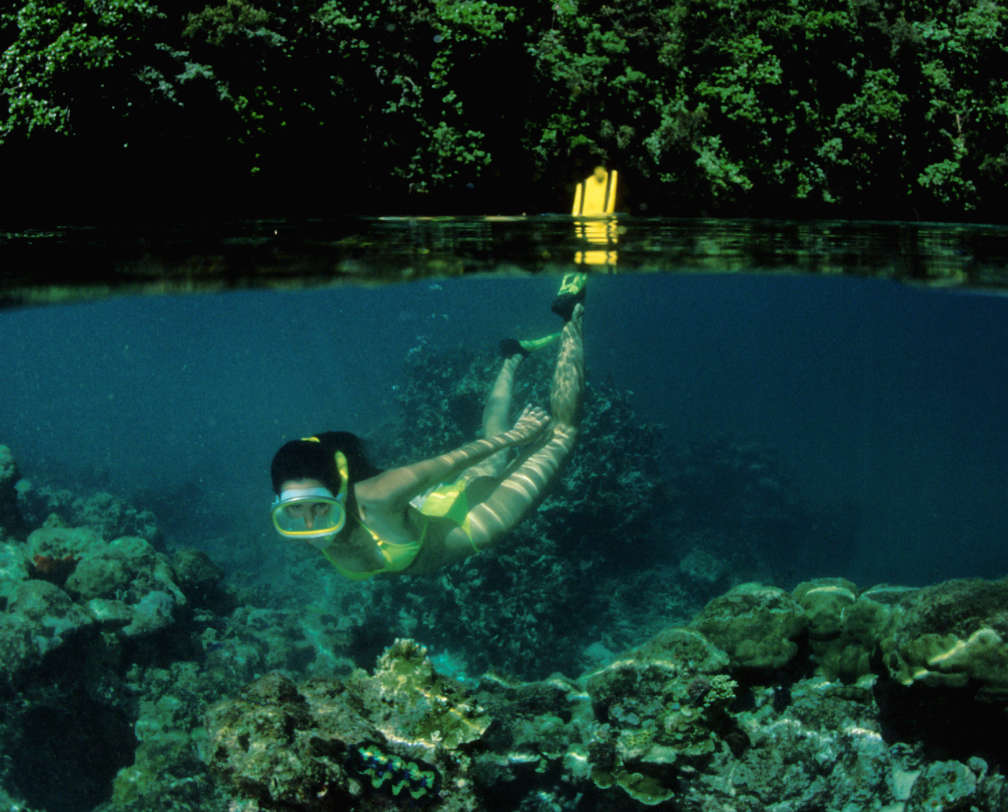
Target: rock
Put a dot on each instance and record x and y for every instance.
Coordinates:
(845, 628)
(950, 634)
(944, 785)
(755, 624)
(109, 613)
(13, 569)
(195, 573)
(664, 705)
(105, 514)
(60, 541)
(101, 575)
(109, 578)
(255, 641)
(152, 613)
(11, 522)
(703, 568)
(372, 742)
(126, 569)
(825, 602)
(165, 770)
(40, 618)
(48, 606)
(18, 650)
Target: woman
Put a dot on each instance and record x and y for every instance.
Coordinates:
(417, 518)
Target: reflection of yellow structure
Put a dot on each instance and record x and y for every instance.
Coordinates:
(601, 233)
(595, 197)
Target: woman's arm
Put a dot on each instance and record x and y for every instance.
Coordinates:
(393, 489)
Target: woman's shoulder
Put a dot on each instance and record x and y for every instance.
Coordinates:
(370, 492)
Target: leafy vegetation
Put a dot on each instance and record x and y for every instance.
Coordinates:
(852, 108)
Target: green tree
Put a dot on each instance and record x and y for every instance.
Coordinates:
(964, 64)
(401, 76)
(243, 51)
(72, 66)
(830, 107)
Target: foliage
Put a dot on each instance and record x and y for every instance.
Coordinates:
(707, 106)
(71, 64)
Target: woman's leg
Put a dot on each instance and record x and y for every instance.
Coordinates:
(498, 405)
(568, 376)
(521, 490)
(495, 418)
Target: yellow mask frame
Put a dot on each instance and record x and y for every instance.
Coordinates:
(292, 505)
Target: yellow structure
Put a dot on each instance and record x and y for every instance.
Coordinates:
(594, 199)
(596, 194)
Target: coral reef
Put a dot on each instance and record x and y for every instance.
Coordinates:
(109, 516)
(657, 711)
(110, 653)
(954, 634)
(675, 723)
(399, 734)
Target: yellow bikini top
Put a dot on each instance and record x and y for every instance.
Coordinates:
(447, 500)
(398, 555)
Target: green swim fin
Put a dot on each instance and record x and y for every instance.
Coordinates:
(514, 346)
(572, 291)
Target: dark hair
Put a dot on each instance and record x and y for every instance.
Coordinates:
(308, 459)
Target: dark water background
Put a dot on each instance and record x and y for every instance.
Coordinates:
(886, 401)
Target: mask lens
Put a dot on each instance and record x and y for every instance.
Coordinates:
(308, 515)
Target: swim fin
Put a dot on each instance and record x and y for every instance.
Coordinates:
(514, 346)
(572, 291)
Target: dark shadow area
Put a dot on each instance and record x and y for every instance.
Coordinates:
(950, 723)
(65, 756)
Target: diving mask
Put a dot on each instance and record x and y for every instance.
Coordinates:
(307, 513)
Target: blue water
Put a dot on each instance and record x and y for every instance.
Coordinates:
(888, 401)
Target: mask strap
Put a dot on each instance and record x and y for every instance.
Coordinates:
(344, 471)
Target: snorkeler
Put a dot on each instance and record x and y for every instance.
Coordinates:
(417, 518)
